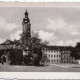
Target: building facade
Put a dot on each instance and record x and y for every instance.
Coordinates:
(59, 54)
(53, 54)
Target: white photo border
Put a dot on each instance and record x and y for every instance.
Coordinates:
(39, 75)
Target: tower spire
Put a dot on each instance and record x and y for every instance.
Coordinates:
(26, 14)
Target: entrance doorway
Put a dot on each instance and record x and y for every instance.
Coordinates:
(3, 59)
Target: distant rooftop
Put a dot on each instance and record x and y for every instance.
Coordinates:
(59, 47)
(9, 45)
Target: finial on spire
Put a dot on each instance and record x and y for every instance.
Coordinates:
(26, 13)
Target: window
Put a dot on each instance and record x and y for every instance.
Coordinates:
(67, 56)
(54, 56)
(51, 56)
(49, 60)
(62, 51)
(52, 60)
(28, 31)
(58, 51)
(68, 51)
(57, 55)
(64, 56)
(57, 60)
(65, 51)
(53, 51)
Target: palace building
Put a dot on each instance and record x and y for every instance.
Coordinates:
(59, 54)
(56, 54)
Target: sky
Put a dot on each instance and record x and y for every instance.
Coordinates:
(58, 26)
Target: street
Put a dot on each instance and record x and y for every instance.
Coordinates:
(50, 68)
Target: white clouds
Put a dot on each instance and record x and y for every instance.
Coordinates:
(47, 36)
(8, 27)
(5, 26)
(75, 33)
(35, 34)
(64, 31)
(15, 35)
(56, 24)
(1, 40)
(62, 27)
(64, 43)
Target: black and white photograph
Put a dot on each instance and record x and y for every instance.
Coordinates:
(40, 39)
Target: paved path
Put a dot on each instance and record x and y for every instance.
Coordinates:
(50, 68)
(67, 65)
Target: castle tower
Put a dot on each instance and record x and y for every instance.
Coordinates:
(26, 25)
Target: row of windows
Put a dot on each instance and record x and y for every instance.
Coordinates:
(53, 60)
(54, 56)
(56, 51)
(57, 61)
(68, 61)
(52, 51)
(66, 56)
(65, 61)
(66, 51)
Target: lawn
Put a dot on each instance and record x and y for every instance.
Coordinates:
(50, 68)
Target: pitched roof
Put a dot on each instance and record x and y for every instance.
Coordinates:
(9, 42)
(8, 47)
(59, 48)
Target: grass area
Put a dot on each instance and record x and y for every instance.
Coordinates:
(50, 68)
